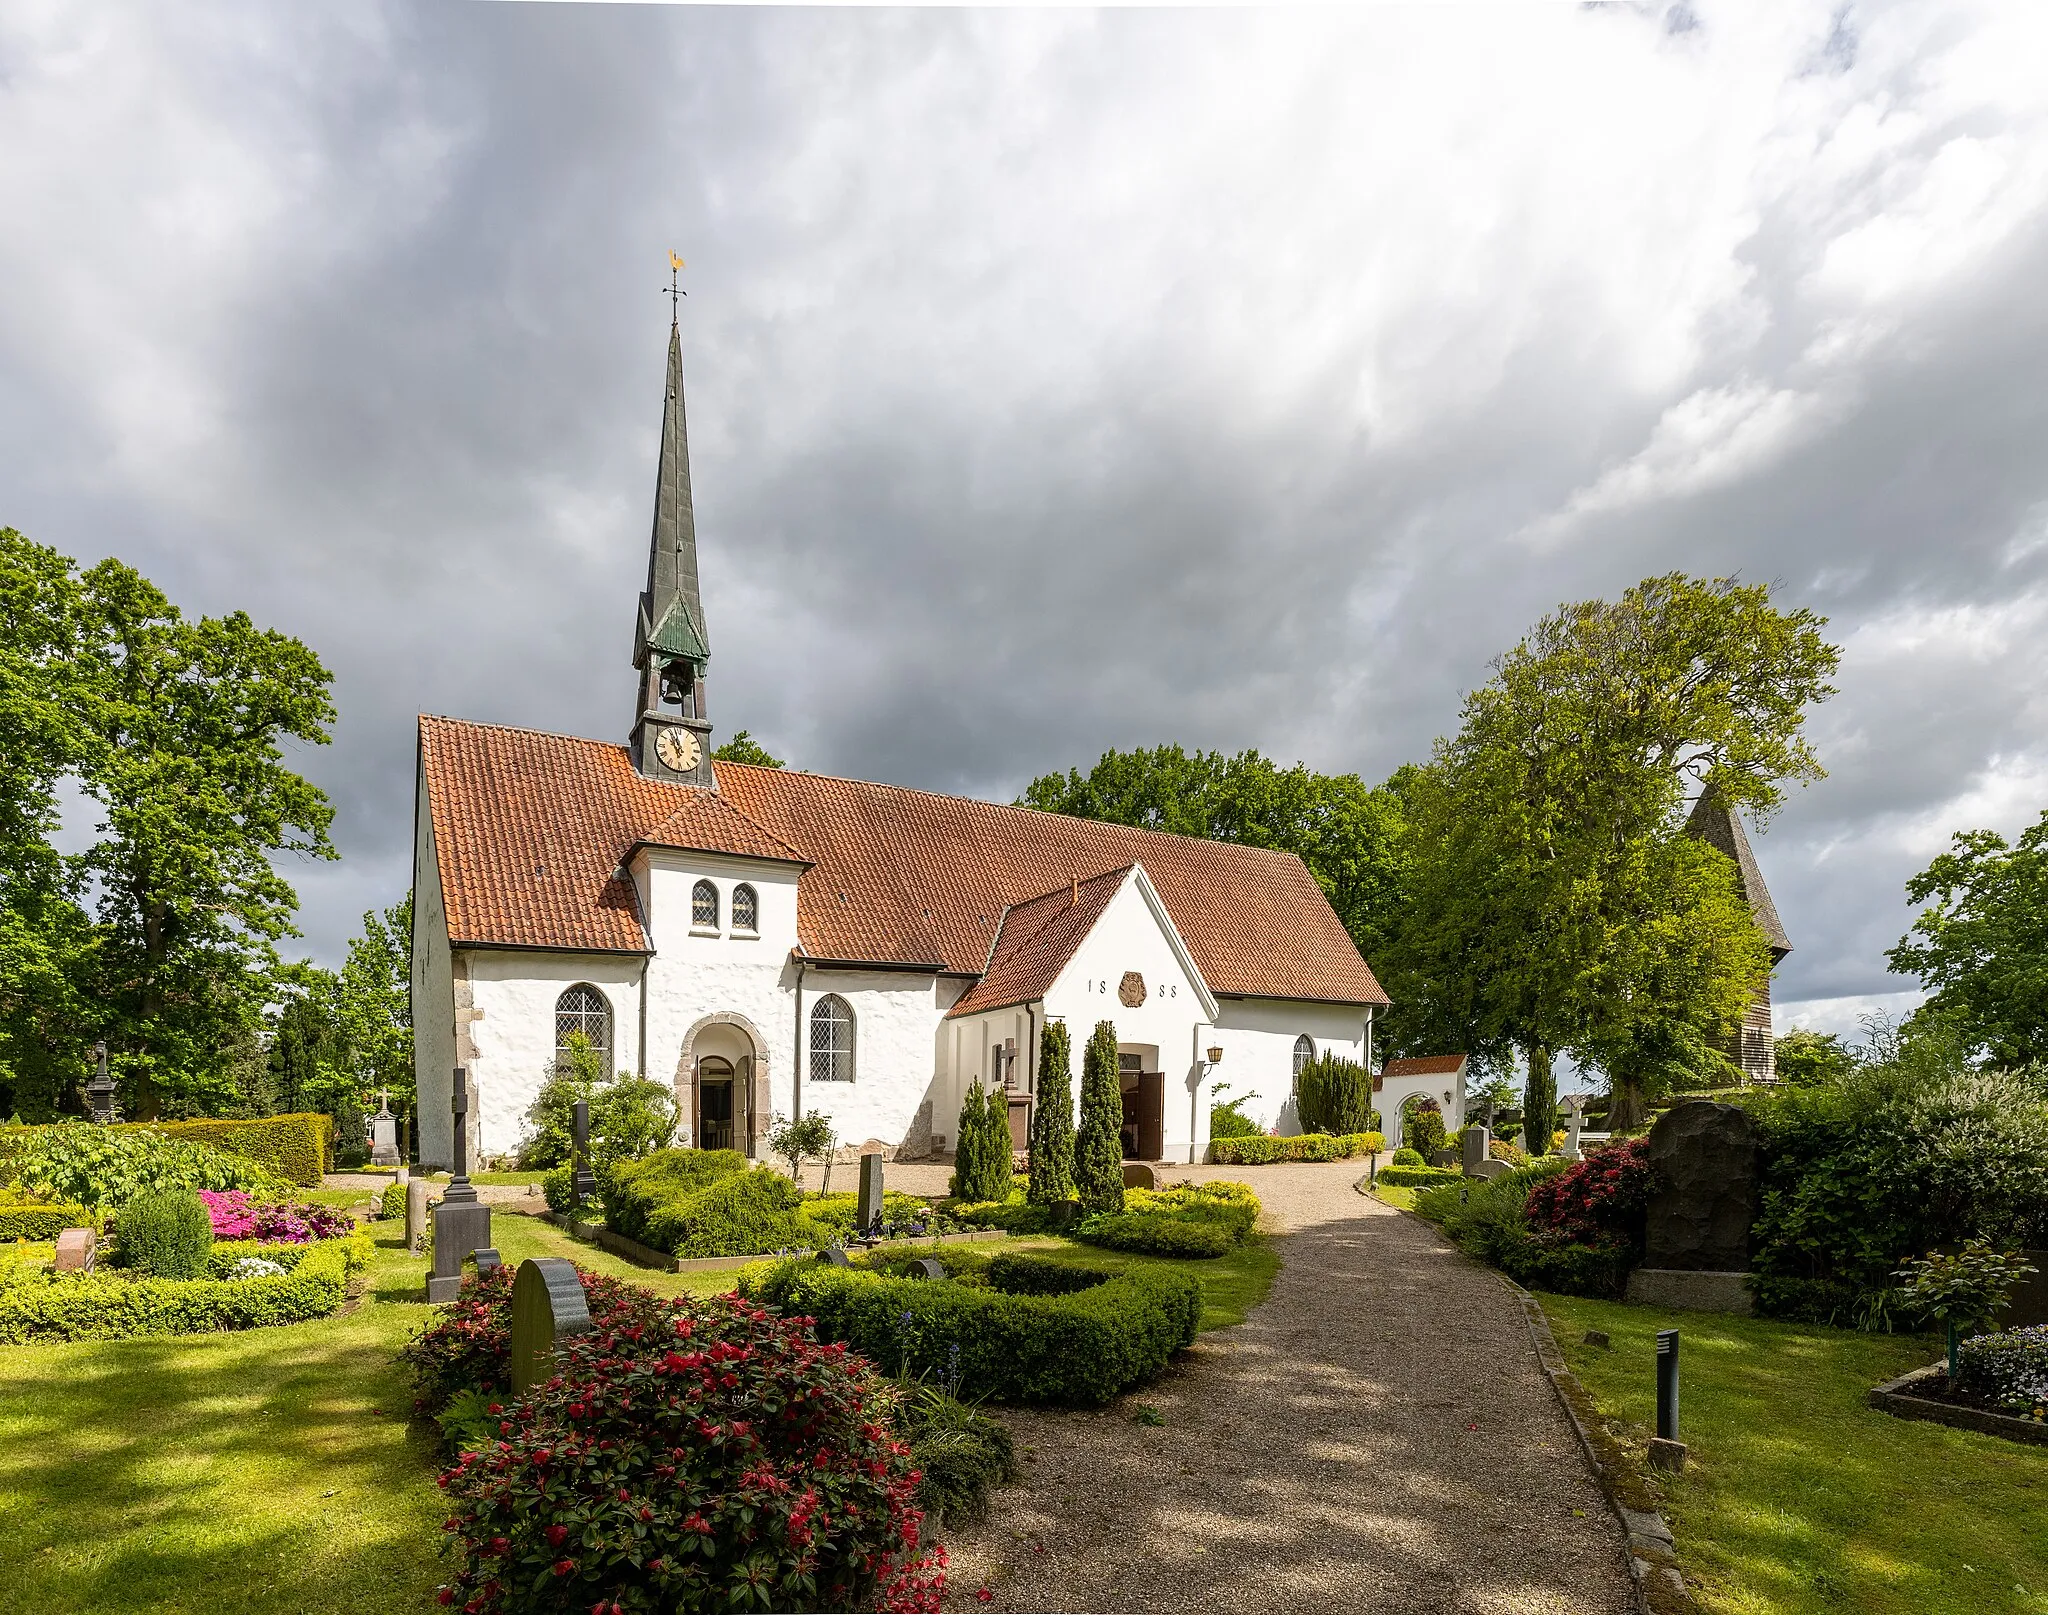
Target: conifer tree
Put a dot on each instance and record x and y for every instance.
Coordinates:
(1052, 1126)
(981, 1161)
(1098, 1142)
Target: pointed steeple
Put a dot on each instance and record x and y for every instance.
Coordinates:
(1720, 827)
(671, 643)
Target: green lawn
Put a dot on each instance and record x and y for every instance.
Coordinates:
(1231, 1285)
(1800, 1498)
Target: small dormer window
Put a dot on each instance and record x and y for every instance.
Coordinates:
(704, 906)
(746, 909)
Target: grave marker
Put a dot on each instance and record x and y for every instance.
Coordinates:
(1476, 1141)
(868, 1212)
(462, 1222)
(548, 1305)
(582, 1181)
(75, 1250)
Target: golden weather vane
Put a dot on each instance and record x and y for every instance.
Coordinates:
(675, 268)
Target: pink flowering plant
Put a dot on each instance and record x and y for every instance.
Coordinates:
(710, 1456)
(284, 1222)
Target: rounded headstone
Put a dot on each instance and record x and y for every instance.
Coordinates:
(929, 1269)
(1705, 1157)
(547, 1305)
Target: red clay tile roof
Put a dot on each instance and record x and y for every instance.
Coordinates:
(895, 876)
(1038, 937)
(1424, 1065)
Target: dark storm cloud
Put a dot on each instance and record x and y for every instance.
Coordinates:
(1057, 381)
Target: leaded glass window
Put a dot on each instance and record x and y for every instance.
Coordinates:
(831, 1040)
(584, 1009)
(1304, 1052)
(704, 906)
(746, 909)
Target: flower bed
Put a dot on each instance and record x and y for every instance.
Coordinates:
(236, 1216)
(1080, 1349)
(41, 1305)
(1262, 1149)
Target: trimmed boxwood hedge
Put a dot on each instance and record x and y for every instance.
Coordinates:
(39, 1224)
(112, 1306)
(299, 1146)
(1419, 1177)
(1259, 1149)
(1079, 1349)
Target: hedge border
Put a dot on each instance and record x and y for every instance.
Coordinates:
(298, 1146)
(1263, 1149)
(39, 1224)
(112, 1306)
(1080, 1350)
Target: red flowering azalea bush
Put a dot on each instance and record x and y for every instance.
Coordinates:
(712, 1457)
(1598, 1201)
(468, 1347)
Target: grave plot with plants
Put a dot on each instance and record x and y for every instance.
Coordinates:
(185, 1239)
(1572, 1227)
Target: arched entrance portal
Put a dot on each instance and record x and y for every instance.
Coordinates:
(722, 1084)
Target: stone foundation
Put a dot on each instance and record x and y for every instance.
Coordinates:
(1688, 1291)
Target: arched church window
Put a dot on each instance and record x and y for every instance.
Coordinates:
(704, 906)
(746, 909)
(584, 1009)
(832, 1040)
(1304, 1052)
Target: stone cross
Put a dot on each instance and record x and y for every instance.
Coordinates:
(547, 1305)
(868, 1211)
(1576, 1104)
(582, 1181)
(462, 1222)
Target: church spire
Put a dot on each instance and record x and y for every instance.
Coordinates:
(671, 646)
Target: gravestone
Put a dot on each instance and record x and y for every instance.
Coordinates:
(548, 1305)
(384, 1136)
(1478, 1137)
(930, 1269)
(416, 1196)
(75, 1250)
(1696, 1244)
(1140, 1175)
(1486, 1171)
(582, 1181)
(868, 1212)
(834, 1256)
(462, 1222)
(1577, 1104)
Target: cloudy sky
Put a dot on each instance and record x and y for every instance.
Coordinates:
(1058, 380)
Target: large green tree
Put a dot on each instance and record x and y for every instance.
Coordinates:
(172, 729)
(1980, 946)
(1553, 900)
(1347, 832)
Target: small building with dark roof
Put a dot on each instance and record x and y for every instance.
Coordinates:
(1751, 1045)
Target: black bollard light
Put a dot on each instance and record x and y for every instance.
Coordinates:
(1667, 1451)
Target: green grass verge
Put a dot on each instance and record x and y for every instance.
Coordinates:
(1394, 1195)
(269, 1471)
(1797, 1496)
(1232, 1284)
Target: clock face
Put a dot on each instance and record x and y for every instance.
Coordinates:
(678, 748)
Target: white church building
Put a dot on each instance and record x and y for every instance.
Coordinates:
(777, 942)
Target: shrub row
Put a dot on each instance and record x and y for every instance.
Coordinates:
(112, 1306)
(297, 1147)
(1262, 1150)
(1490, 1220)
(1418, 1177)
(1190, 1220)
(41, 1223)
(1078, 1349)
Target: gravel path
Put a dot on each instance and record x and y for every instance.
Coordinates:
(1377, 1436)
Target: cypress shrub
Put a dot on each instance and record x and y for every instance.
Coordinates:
(1422, 1130)
(1052, 1126)
(168, 1236)
(1334, 1095)
(981, 1161)
(1098, 1141)
(1539, 1107)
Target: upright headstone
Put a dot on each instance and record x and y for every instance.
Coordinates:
(75, 1250)
(416, 1192)
(1696, 1235)
(384, 1136)
(582, 1181)
(1478, 1139)
(868, 1211)
(462, 1222)
(548, 1305)
(99, 1093)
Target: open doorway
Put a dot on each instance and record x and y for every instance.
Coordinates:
(1144, 1097)
(715, 1077)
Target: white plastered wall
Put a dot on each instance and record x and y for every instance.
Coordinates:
(895, 1017)
(1394, 1091)
(512, 1028)
(1257, 1036)
(433, 991)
